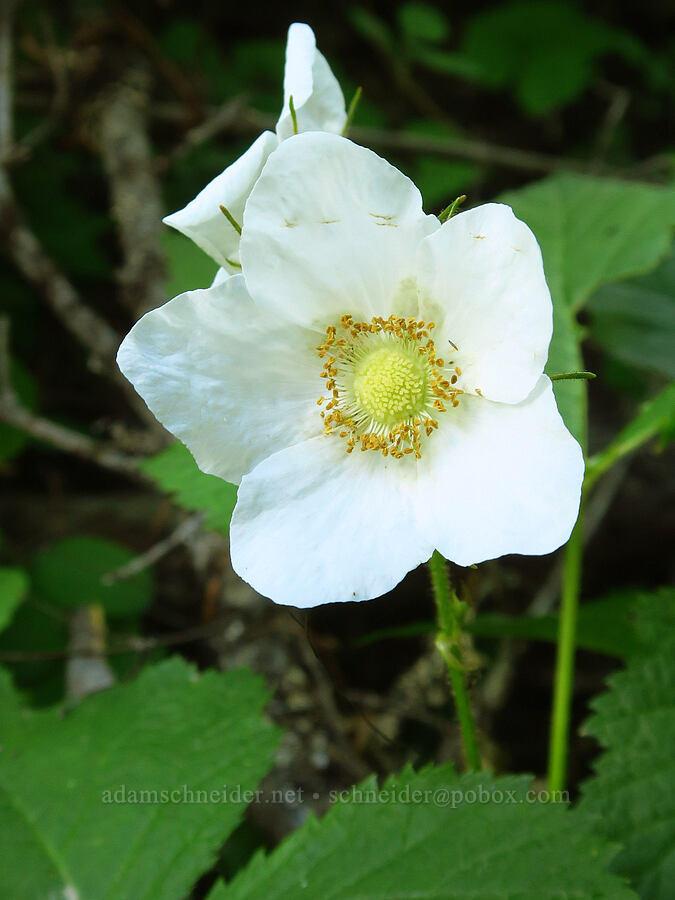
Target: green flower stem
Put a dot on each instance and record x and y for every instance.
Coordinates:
(564, 670)
(450, 614)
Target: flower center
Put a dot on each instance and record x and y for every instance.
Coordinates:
(385, 384)
(390, 383)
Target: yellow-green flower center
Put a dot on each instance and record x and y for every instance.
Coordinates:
(384, 384)
(390, 383)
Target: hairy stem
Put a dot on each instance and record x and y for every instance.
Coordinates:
(449, 609)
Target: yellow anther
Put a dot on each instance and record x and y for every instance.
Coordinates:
(383, 383)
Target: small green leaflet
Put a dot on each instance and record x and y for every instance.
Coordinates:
(13, 588)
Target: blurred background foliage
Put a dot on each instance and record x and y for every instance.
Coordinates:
(467, 98)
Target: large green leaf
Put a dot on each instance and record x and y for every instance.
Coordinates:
(606, 626)
(546, 52)
(86, 799)
(434, 834)
(634, 322)
(13, 588)
(70, 573)
(632, 794)
(176, 472)
(591, 231)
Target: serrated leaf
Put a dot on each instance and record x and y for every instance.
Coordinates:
(632, 793)
(634, 322)
(176, 472)
(433, 834)
(655, 418)
(70, 820)
(70, 573)
(13, 588)
(591, 231)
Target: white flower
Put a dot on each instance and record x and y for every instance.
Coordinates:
(319, 106)
(373, 381)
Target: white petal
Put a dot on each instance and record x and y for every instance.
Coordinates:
(231, 381)
(220, 276)
(315, 525)
(331, 228)
(483, 273)
(202, 219)
(317, 98)
(500, 478)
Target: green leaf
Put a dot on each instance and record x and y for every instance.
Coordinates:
(70, 573)
(434, 834)
(70, 820)
(591, 231)
(632, 793)
(422, 22)
(634, 322)
(445, 62)
(176, 472)
(545, 52)
(657, 417)
(13, 588)
(37, 629)
(606, 626)
(189, 267)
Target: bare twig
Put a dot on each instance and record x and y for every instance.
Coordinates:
(6, 83)
(185, 530)
(136, 644)
(619, 101)
(62, 438)
(224, 118)
(54, 59)
(14, 413)
(136, 203)
(37, 268)
(28, 255)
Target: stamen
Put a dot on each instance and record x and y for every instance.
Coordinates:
(384, 384)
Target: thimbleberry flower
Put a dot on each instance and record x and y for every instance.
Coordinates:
(373, 381)
(319, 106)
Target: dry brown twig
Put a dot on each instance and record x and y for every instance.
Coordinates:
(98, 338)
(144, 560)
(13, 412)
(124, 145)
